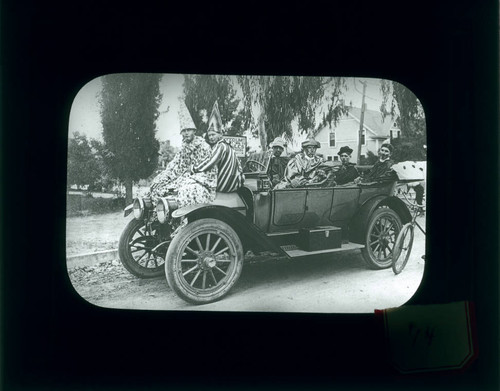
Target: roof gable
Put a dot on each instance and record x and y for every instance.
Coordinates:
(373, 121)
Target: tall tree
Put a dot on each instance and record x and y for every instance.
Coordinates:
(106, 180)
(404, 107)
(201, 92)
(129, 110)
(279, 100)
(83, 164)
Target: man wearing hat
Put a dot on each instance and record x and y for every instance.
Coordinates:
(347, 171)
(303, 168)
(230, 174)
(382, 169)
(192, 188)
(277, 164)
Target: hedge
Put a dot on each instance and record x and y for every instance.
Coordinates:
(83, 205)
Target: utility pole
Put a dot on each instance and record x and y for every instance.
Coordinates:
(361, 123)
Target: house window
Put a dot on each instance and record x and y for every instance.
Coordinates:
(332, 138)
(390, 134)
(335, 158)
(329, 158)
(363, 138)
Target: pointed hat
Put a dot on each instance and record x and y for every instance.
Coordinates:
(215, 120)
(185, 119)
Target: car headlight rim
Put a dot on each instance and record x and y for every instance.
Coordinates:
(138, 208)
(162, 210)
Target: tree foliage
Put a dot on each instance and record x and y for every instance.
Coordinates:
(409, 148)
(280, 100)
(407, 111)
(84, 167)
(404, 107)
(167, 152)
(201, 92)
(129, 110)
(106, 181)
(369, 160)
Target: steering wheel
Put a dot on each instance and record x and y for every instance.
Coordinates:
(249, 163)
(320, 183)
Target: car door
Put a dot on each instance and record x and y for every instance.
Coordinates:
(345, 204)
(288, 209)
(293, 209)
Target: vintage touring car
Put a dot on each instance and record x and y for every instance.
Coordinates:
(205, 257)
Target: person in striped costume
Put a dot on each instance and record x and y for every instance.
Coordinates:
(230, 174)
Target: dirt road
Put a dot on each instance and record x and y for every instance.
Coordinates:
(335, 283)
(340, 283)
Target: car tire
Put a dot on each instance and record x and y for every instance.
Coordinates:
(135, 249)
(204, 261)
(382, 230)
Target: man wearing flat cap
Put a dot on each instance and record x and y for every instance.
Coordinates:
(347, 171)
(303, 168)
(382, 169)
(277, 164)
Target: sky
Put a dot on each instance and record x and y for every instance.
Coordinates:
(85, 117)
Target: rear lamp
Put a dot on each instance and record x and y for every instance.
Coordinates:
(138, 208)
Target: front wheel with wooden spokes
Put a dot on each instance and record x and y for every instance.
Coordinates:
(142, 248)
(204, 261)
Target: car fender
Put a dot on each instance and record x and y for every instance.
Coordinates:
(250, 235)
(358, 224)
(230, 200)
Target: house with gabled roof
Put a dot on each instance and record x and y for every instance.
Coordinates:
(376, 131)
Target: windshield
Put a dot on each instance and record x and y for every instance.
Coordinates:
(256, 162)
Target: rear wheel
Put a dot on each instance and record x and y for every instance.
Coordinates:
(382, 230)
(402, 248)
(139, 250)
(204, 261)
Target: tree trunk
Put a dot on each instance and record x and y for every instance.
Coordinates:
(128, 191)
(262, 133)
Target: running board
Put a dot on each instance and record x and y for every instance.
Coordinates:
(293, 251)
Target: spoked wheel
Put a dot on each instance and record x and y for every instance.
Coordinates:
(204, 261)
(142, 248)
(383, 228)
(402, 248)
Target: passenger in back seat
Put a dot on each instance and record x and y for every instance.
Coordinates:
(382, 169)
(277, 164)
(347, 172)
